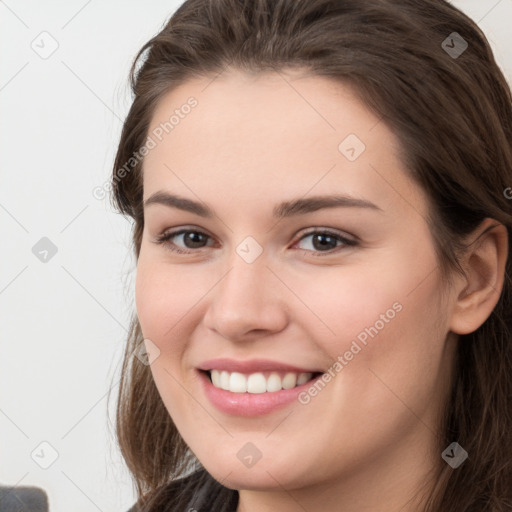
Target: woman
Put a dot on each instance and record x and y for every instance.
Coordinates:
(322, 229)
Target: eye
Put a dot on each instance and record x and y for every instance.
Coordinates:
(192, 239)
(324, 239)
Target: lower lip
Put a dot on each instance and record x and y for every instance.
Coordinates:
(251, 404)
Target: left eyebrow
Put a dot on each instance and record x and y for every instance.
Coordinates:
(285, 209)
(312, 204)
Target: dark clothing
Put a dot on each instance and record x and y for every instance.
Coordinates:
(197, 492)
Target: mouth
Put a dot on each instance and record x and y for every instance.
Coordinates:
(258, 382)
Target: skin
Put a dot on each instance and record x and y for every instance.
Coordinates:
(368, 438)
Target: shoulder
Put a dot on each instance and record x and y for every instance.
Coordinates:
(197, 492)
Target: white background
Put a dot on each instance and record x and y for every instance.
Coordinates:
(63, 322)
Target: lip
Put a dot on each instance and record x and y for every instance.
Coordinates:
(250, 404)
(252, 366)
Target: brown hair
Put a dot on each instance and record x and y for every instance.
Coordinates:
(453, 117)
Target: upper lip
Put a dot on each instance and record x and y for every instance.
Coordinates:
(251, 366)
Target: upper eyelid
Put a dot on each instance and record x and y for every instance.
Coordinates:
(172, 232)
(180, 230)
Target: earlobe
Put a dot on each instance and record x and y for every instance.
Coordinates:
(484, 264)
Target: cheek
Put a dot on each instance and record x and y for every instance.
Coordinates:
(163, 296)
(387, 355)
(163, 299)
(349, 305)
(387, 316)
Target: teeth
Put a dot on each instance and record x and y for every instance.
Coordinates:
(257, 382)
(224, 380)
(274, 383)
(303, 378)
(289, 381)
(216, 380)
(237, 383)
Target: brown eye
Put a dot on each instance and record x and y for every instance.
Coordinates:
(190, 239)
(326, 241)
(193, 239)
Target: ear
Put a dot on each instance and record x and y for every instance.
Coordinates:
(484, 265)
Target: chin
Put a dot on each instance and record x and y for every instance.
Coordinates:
(250, 482)
(261, 477)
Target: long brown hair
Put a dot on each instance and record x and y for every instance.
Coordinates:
(452, 113)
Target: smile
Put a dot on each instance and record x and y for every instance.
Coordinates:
(245, 403)
(258, 382)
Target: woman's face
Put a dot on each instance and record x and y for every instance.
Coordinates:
(361, 301)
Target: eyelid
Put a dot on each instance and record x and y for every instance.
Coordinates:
(349, 238)
(346, 239)
(167, 234)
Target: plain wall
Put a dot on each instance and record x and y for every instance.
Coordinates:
(64, 319)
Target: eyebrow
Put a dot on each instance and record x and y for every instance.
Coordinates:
(285, 209)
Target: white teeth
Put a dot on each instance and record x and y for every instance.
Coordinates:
(215, 374)
(237, 383)
(289, 381)
(274, 383)
(257, 382)
(224, 380)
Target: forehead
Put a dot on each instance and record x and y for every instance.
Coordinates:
(271, 135)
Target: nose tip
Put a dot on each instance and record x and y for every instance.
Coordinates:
(246, 302)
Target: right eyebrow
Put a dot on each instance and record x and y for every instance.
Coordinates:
(179, 202)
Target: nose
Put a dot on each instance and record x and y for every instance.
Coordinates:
(249, 301)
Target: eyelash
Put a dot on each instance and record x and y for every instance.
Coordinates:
(164, 239)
